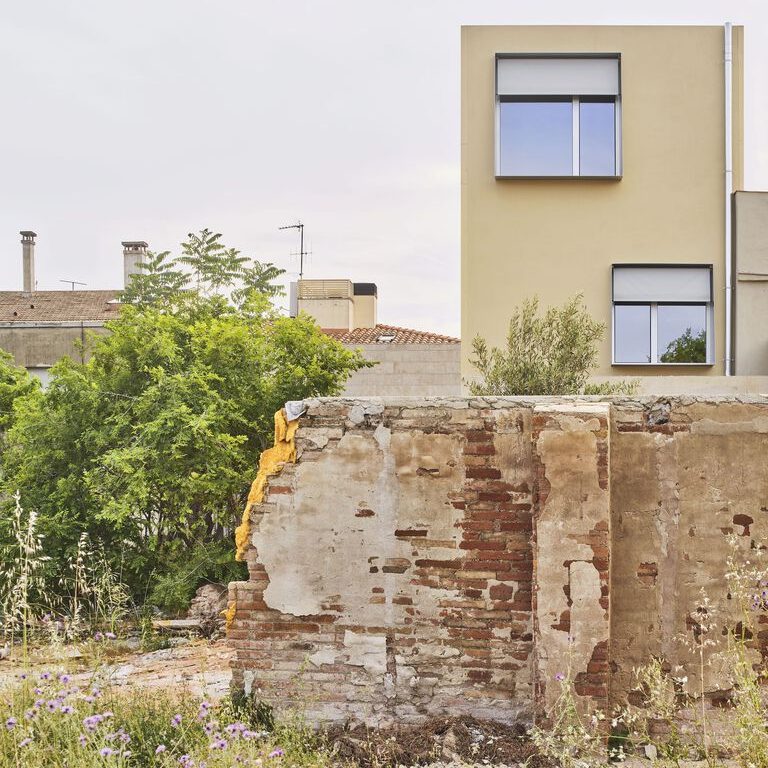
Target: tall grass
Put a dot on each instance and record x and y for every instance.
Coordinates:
(23, 594)
(47, 721)
(89, 595)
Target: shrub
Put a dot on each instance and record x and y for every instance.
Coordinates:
(550, 354)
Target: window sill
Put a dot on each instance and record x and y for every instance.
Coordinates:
(662, 365)
(559, 178)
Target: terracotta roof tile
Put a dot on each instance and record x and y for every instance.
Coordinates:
(57, 306)
(388, 334)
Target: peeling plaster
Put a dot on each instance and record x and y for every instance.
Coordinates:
(379, 472)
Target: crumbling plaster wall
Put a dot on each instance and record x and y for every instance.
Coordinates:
(429, 556)
(683, 479)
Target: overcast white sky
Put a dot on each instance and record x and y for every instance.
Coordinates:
(150, 119)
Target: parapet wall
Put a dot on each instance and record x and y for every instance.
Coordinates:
(456, 555)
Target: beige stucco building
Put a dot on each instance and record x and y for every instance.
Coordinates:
(602, 160)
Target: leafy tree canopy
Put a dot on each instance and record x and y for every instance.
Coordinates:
(150, 446)
(14, 382)
(549, 354)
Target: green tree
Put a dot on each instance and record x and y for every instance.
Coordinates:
(158, 281)
(213, 265)
(14, 382)
(686, 348)
(150, 446)
(549, 354)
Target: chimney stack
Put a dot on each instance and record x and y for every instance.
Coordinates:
(134, 254)
(28, 258)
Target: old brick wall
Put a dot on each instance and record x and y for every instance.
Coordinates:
(455, 555)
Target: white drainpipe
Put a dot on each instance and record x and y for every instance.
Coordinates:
(728, 194)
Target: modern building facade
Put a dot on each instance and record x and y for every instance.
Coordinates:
(601, 160)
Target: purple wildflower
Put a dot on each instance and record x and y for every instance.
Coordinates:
(37, 691)
(92, 722)
(185, 760)
(106, 751)
(559, 677)
(45, 675)
(276, 753)
(98, 637)
(25, 742)
(110, 635)
(10, 723)
(219, 743)
(160, 749)
(67, 709)
(83, 739)
(176, 721)
(52, 705)
(64, 679)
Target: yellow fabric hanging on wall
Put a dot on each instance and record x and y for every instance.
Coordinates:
(271, 463)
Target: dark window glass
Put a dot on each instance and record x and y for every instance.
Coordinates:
(597, 138)
(682, 333)
(632, 333)
(536, 138)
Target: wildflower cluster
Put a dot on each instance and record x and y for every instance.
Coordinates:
(87, 726)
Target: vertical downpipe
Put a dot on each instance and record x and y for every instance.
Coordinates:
(728, 69)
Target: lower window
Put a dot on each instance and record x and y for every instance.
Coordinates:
(664, 331)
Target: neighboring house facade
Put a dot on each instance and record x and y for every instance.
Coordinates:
(408, 362)
(602, 161)
(40, 327)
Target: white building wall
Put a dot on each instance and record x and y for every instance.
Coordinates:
(407, 370)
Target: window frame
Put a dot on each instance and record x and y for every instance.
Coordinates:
(575, 116)
(709, 319)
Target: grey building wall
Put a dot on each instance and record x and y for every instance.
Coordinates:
(750, 239)
(38, 346)
(407, 369)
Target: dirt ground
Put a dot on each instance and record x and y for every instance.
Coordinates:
(198, 666)
(437, 742)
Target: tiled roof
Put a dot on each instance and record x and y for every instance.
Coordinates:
(388, 334)
(57, 306)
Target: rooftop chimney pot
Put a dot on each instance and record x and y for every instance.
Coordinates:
(28, 258)
(134, 254)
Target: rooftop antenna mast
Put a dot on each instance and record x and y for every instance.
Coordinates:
(302, 253)
(73, 283)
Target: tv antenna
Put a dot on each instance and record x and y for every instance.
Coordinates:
(302, 253)
(73, 283)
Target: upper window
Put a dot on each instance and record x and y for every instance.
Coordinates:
(662, 314)
(557, 116)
